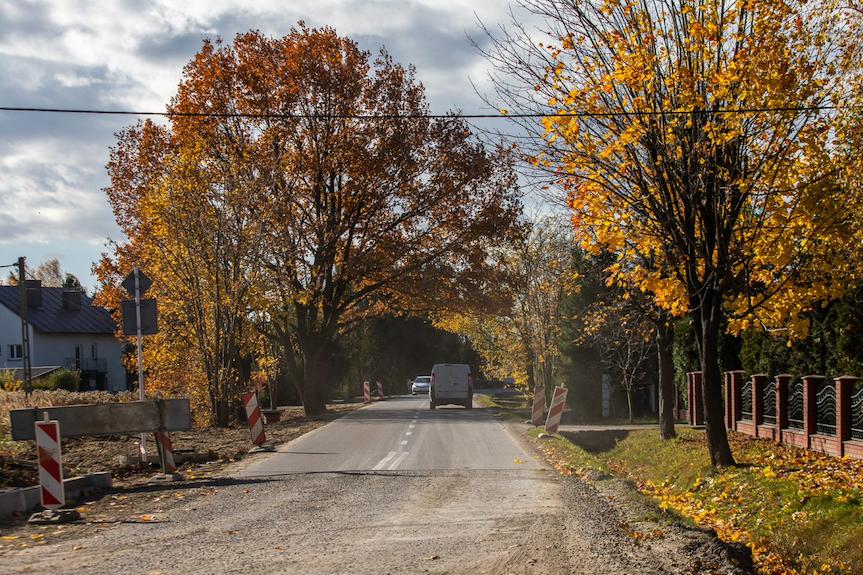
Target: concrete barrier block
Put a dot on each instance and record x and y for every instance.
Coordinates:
(24, 499)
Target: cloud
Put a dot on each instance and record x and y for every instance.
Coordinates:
(130, 54)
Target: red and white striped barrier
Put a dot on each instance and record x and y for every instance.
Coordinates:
(254, 418)
(538, 405)
(367, 392)
(166, 451)
(50, 464)
(380, 389)
(555, 410)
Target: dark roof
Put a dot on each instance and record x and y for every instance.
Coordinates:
(52, 317)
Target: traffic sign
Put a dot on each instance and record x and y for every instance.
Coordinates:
(47, 434)
(144, 282)
(149, 317)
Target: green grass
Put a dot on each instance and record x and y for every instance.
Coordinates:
(794, 508)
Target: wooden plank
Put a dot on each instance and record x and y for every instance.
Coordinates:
(106, 418)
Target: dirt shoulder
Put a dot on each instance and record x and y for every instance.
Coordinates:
(134, 498)
(636, 527)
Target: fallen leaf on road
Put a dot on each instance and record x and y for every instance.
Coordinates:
(78, 547)
(8, 537)
(433, 558)
(147, 518)
(518, 461)
(37, 536)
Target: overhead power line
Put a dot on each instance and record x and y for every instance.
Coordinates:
(490, 116)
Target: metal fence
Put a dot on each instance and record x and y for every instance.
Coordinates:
(795, 404)
(857, 414)
(746, 400)
(768, 395)
(825, 408)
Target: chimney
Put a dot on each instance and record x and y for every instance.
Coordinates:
(34, 292)
(72, 299)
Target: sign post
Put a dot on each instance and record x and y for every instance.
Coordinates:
(137, 283)
(25, 327)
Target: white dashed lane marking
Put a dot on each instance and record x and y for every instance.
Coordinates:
(385, 460)
(399, 460)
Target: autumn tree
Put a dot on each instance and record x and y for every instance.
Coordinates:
(302, 182)
(520, 338)
(50, 273)
(697, 137)
(623, 336)
(190, 212)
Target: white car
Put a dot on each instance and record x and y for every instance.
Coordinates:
(451, 383)
(421, 384)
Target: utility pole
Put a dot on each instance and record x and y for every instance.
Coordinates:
(141, 395)
(25, 327)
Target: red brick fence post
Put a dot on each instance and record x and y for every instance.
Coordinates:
(734, 381)
(696, 399)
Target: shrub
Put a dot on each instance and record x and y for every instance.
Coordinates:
(8, 381)
(67, 379)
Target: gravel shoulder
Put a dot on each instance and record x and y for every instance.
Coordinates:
(134, 498)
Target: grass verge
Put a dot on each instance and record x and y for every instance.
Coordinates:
(800, 512)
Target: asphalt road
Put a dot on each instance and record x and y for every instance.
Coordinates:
(400, 434)
(391, 488)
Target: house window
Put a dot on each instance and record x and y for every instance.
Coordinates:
(16, 351)
(94, 352)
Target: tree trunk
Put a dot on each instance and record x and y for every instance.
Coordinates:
(665, 349)
(315, 378)
(709, 322)
(629, 403)
(531, 375)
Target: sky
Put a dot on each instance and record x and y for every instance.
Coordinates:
(129, 54)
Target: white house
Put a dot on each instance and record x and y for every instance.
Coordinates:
(66, 330)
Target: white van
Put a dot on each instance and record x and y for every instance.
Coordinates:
(451, 383)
